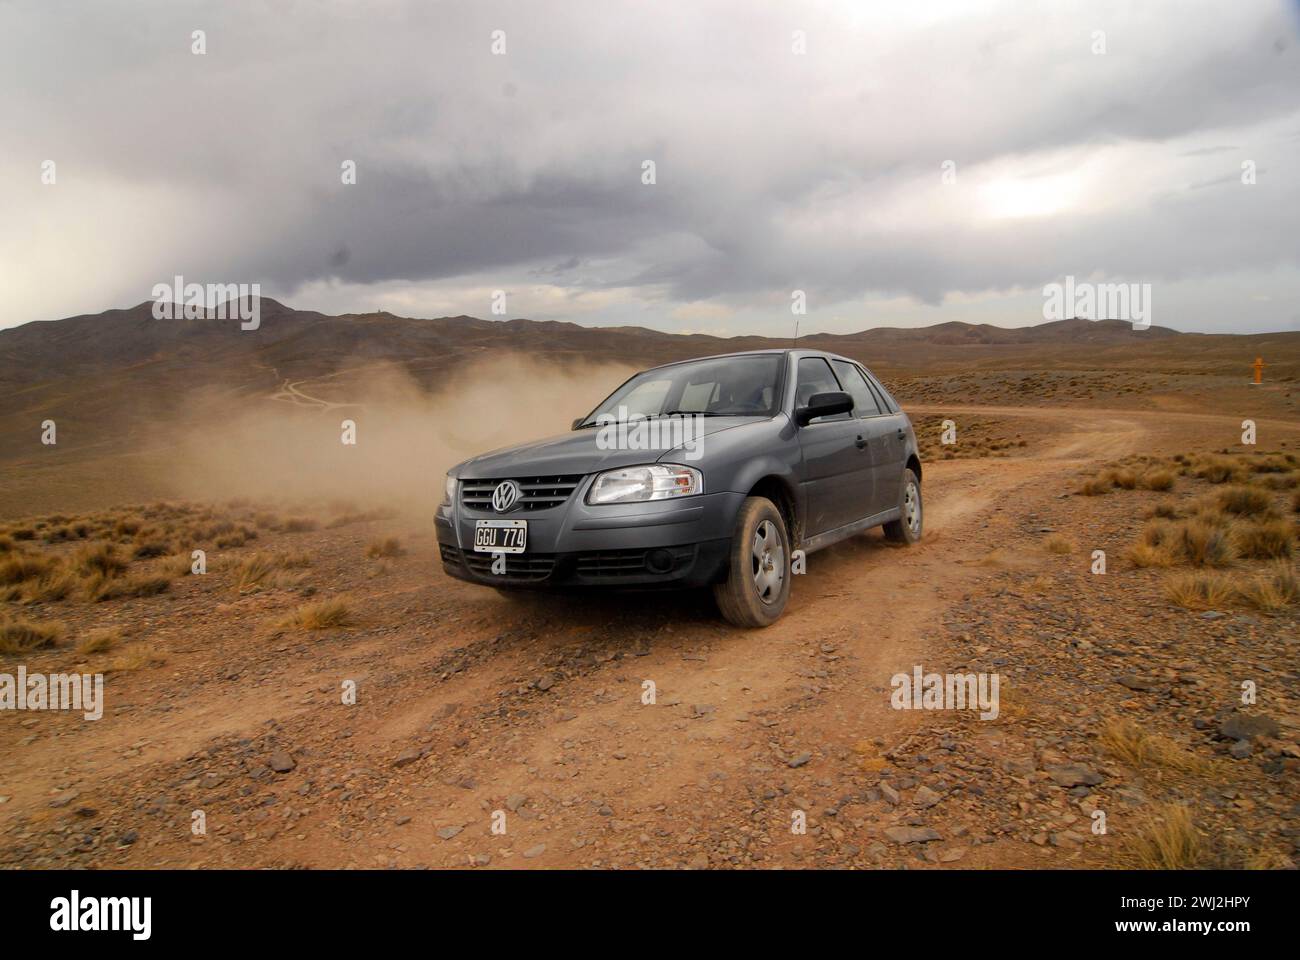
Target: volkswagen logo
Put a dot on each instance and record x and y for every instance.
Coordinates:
(505, 495)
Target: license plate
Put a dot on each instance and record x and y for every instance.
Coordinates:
(500, 536)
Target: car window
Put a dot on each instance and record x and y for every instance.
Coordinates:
(864, 401)
(815, 377)
(738, 386)
(888, 403)
(647, 398)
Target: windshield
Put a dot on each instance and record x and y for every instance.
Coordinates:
(745, 386)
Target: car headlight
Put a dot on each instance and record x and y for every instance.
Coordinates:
(655, 481)
(448, 490)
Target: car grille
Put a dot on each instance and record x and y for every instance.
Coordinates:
(535, 493)
(613, 564)
(519, 566)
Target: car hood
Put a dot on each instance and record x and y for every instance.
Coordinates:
(577, 452)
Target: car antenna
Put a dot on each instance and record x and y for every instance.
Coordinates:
(795, 342)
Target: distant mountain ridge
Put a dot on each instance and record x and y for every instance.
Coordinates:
(302, 344)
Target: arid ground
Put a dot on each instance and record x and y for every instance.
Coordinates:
(1121, 696)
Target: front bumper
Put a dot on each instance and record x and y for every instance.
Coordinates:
(667, 543)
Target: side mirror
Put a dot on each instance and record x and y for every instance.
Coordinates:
(823, 405)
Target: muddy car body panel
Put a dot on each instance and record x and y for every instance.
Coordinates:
(831, 478)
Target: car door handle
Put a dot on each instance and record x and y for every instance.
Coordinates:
(902, 434)
(860, 442)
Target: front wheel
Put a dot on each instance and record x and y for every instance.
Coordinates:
(758, 581)
(907, 528)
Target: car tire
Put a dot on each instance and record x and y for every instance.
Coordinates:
(907, 529)
(758, 578)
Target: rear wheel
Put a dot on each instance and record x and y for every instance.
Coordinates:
(758, 581)
(908, 527)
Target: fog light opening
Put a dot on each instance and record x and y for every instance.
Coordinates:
(659, 561)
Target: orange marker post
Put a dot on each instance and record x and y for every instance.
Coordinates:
(1259, 368)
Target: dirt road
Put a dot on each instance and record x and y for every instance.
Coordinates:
(474, 712)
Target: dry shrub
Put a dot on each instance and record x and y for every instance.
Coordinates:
(100, 641)
(1274, 590)
(1167, 840)
(1199, 591)
(1144, 555)
(57, 584)
(1157, 480)
(99, 559)
(1201, 544)
(1130, 742)
(322, 615)
(1058, 543)
(1270, 540)
(270, 570)
(128, 526)
(20, 635)
(1165, 509)
(1244, 501)
(1124, 479)
(17, 567)
(387, 547)
(300, 525)
(135, 657)
(100, 588)
(1220, 470)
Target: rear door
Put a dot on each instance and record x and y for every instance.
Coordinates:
(837, 470)
(874, 426)
(889, 472)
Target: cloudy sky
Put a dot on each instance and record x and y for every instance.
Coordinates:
(796, 146)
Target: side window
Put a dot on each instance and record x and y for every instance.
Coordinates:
(815, 377)
(889, 404)
(864, 401)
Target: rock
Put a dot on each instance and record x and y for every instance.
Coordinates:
(546, 682)
(925, 797)
(210, 780)
(952, 855)
(1241, 749)
(1073, 775)
(536, 851)
(63, 799)
(800, 760)
(1135, 682)
(402, 821)
(281, 762)
(515, 801)
(911, 834)
(407, 757)
(128, 837)
(448, 832)
(1241, 726)
(703, 709)
(889, 793)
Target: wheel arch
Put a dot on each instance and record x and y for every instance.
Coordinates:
(778, 490)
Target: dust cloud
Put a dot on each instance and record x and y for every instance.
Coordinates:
(289, 448)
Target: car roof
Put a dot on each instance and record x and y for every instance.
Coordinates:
(798, 353)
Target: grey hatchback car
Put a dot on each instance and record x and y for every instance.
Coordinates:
(721, 472)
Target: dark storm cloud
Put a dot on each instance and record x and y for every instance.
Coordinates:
(774, 171)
